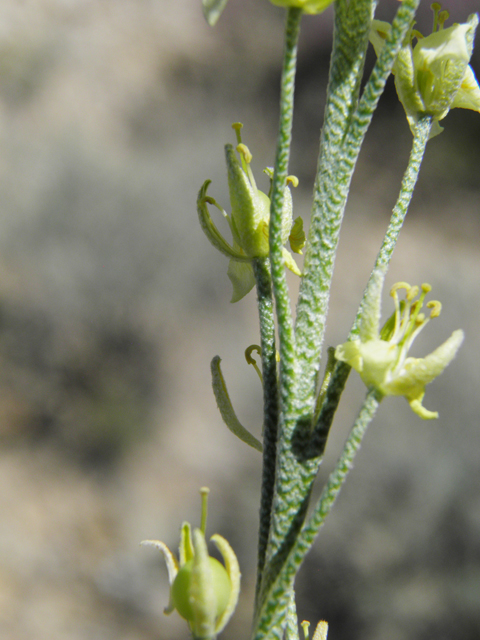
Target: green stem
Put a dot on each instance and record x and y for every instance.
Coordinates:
(291, 628)
(294, 474)
(342, 370)
(352, 26)
(282, 298)
(270, 618)
(344, 130)
(263, 279)
(410, 177)
(339, 474)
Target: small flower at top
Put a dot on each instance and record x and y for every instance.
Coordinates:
(434, 76)
(249, 220)
(381, 356)
(202, 589)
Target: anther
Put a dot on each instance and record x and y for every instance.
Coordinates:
(435, 7)
(245, 152)
(236, 126)
(442, 18)
(397, 286)
(251, 360)
(436, 308)
(305, 626)
(412, 293)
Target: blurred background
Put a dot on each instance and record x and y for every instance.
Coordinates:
(112, 303)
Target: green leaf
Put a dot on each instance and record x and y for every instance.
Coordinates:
(212, 10)
(226, 409)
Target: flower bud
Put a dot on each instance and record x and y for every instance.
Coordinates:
(249, 220)
(434, 76)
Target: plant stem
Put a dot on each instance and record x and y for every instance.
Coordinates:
(410, 177)
(342, 370)
(294, 473)
(263, 279)
(282, 298)
(344, 130)
(271, 618)
(352, 26)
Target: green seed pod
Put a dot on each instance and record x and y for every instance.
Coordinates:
(185, 601)
(202, 590)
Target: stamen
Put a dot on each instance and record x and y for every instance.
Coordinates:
(418, 320)
(426, 287)
(412, 320)
(245, 152)
(399, 285)
(435, 7)
(246, 158)
(442, 18)
(293, 180)
(416, 34)
(435, 307)
(397, 329)
(204, 491)
(252, 361)
(212, 201)
(236, 126)
(412, 293)
(305, 626)
(412, 336)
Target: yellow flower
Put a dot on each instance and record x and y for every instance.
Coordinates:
(434, 76)
(381, 357)
(249, 220)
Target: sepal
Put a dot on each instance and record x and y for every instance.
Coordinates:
(209, 228)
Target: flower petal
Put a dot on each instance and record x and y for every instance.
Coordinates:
(290, 262)
(422, 371)
(418, 408)
(233, 570)
(468, 95)
(171, 562)
(242, 278)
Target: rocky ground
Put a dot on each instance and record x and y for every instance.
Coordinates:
(112, 303)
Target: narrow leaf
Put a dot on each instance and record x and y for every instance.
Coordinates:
(226, 409)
